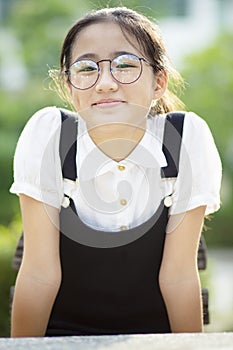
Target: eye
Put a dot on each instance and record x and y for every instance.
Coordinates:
(84, 66)
(124, 62)
(125, 65)
(87, 69)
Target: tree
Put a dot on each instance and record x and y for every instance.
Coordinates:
(209, 93)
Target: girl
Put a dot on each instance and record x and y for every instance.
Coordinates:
(112, 248)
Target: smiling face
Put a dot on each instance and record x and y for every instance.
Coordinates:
(109, 101)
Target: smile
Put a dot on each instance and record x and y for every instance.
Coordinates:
(108, 103)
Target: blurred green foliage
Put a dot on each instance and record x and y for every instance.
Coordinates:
(8, 238)
(209, 93)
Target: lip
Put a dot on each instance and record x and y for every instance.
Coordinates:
(109, 102)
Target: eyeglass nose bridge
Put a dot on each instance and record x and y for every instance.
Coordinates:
(99, 68)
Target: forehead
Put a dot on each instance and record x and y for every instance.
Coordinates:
(103, 40)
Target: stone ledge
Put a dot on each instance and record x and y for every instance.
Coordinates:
(182, 341)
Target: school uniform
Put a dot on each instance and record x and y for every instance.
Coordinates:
(113, 218)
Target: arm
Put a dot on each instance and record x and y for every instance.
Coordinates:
(179, 279)
(39, 276)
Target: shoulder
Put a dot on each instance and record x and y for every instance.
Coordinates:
(195, 129)
(45, 118)
(192, 121)
(197, 134)
(40, 128)
(194, 124)
(37, 170)
(41, 133)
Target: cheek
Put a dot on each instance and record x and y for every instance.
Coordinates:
(75, 99)
(144, 94)
(81, 99)
(145, 89)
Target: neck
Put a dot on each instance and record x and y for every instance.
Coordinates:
(117, 141)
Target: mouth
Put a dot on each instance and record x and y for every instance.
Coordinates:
(108, 103)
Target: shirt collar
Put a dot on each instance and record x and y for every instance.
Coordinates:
(148, 153)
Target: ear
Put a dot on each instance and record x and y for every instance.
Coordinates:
(161, 81)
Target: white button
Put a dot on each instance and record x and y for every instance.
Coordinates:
(123, 201)
(168, 201)
(65, 202)
(123, 228)
(121, 167)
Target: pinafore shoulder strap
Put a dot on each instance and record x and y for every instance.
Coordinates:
(172, 137)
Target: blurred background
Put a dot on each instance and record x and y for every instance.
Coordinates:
(199, 38)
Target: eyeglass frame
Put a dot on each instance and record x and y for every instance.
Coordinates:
(68, 72)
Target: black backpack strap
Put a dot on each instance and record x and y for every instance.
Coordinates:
(173, 131)
(68, 144)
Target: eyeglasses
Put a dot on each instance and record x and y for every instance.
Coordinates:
(125, 68)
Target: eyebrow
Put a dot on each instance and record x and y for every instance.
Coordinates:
(93, 56)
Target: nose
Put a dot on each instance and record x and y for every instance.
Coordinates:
(106, 82)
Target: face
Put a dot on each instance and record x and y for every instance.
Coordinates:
(109, 101)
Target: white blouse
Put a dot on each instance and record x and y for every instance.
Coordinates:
(115, 196)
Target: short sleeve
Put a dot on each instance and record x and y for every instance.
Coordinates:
(200, 170)
(37, 169)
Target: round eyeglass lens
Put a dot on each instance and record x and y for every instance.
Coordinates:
(83, 74)
(126, 68)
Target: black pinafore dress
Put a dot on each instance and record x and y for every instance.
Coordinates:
(113, 290)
